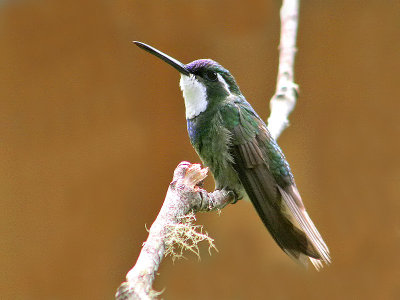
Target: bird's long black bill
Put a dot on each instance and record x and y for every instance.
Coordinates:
(168, 59)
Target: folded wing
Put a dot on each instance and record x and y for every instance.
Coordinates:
(270, 186)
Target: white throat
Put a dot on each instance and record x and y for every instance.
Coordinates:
(195, 95)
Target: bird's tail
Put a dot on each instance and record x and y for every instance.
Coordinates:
(298, 216)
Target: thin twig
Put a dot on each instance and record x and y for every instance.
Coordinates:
(284, 100)
(185, 196)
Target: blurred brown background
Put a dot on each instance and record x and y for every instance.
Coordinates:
(92, 128)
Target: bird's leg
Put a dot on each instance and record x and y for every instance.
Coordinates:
(237, 196)
(215, 200)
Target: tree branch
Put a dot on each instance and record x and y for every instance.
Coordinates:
(284, 100)
(184, 194)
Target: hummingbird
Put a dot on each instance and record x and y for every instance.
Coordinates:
(235, 144)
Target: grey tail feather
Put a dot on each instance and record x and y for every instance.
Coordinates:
(292, 200)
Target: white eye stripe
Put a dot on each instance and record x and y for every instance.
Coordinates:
(222, 80)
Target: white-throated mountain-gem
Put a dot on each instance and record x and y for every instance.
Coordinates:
(234, 142)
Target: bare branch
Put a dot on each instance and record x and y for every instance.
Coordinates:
(284, 100)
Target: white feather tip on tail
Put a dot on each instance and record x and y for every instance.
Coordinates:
(296, 212)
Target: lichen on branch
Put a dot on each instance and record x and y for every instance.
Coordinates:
(185, 236)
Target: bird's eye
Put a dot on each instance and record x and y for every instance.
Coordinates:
(210, 75)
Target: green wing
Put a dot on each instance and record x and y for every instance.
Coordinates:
(267, 180)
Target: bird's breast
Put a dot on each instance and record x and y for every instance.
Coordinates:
(212, 142)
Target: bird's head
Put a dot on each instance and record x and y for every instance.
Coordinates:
(204, 82)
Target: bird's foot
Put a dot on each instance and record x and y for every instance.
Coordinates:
(235, 196)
